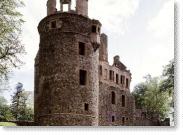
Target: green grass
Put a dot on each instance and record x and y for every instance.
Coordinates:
(7, 124)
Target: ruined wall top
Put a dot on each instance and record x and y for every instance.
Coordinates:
(117, 63)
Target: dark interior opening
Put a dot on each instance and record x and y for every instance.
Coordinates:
(113, 118)
(113, 100)
(86, 107)
(83, 74)
(53, 25)
(123, 100)
(81, 48)
(100, 70)
(127, 83)
(117, 78)
(94, 29)
(123, 120)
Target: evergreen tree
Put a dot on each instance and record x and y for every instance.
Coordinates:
(18, 105)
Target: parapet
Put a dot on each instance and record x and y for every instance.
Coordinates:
(65, 6)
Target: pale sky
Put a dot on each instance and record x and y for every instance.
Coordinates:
(141, 32)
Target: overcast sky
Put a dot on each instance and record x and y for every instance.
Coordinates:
(141, 32)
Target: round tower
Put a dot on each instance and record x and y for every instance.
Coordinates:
(66, 70)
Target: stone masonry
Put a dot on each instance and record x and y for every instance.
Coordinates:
(74, 83)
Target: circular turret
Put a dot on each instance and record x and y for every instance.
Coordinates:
(66, 71)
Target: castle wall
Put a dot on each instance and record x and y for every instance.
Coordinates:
(122, 114)
(59, 97)
(74, 83)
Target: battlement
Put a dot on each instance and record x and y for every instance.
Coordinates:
(65, 6)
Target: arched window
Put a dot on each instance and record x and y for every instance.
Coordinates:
(113, 98)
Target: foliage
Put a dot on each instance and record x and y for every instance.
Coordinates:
(168, 78)
(19, 106)
(4, 84)
(2, 101)
(10, 31)
(5, 112)
(149, 97)
(139, 93)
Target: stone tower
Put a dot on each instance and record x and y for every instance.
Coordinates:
(66, 67)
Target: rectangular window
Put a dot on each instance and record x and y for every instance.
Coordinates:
(122, 79)
(105, 76)
(83, 75)
(113, 118)
(123, 101)
(123, 120)
(117, 78)
(127, 83)
(100, 70)
(53, 25)
(110, 74)
(113, 98)
(86, 107)
(81, 48)
(113, 75)
(94, 29)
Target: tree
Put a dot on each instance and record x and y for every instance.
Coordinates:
(4, 84)
(151, 98)
(2, 101)
(5, 112)
(138, 93)
(10, 31)
(19, 104)
(168, 78)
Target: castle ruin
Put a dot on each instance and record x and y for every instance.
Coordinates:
(74, 83)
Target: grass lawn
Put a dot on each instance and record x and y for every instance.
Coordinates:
(7, 124)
